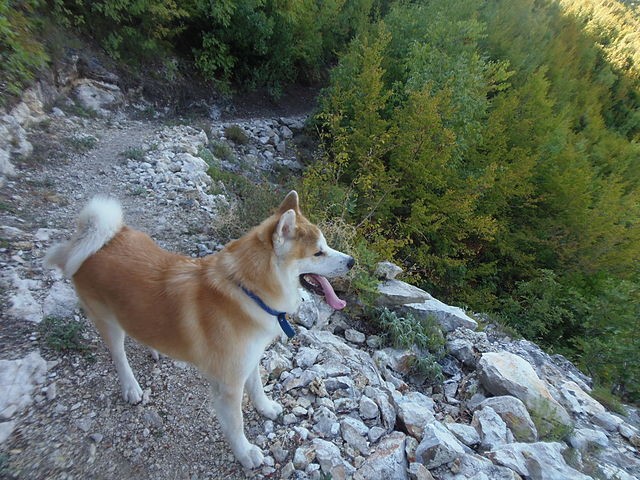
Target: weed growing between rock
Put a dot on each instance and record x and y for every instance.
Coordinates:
(423, 336)
(64, 335)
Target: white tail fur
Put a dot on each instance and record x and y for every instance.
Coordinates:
(98, 223)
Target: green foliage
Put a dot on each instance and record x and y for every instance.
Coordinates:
(424, 335)
(221, 150)
(250, 202)
(594, 320)
(256, 42)
(134, 153)
(64, 335)
(132, 30)
(609, 400)
(206, 154)
(21, 54)
(491, 147)
(81, 144)
(236, 134)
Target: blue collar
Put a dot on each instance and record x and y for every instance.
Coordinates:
(281, 316)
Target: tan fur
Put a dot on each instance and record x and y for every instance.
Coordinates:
(194, 309)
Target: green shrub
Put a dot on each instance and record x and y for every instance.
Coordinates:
(21, 53)
(63, 335)
(81, 144)
(205, 154)
(249, 202)
(134, 153)
(424, 335)
(221, 150)
(236, 134)
(131, 30)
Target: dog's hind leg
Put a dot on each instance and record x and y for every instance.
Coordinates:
(113, 335)
(263, 404)
(227, 401)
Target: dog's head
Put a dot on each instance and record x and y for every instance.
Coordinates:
(302, 246)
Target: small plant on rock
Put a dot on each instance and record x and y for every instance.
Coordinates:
(134, 153)
(236, 134)
(422, 335)
(221, 150)
(64, 335)
(81, 144)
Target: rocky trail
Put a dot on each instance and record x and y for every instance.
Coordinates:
(352, 409)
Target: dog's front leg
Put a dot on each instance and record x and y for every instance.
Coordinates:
(264, 405)
(227, 401)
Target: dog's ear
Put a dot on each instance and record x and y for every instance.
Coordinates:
(286, 228)
(290, 202)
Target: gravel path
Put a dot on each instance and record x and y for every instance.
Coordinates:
(79, 427)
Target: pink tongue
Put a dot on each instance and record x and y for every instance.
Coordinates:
(329, 295)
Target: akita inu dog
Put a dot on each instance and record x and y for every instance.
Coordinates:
(217, 312)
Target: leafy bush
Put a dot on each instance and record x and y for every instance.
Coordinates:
(21, 54)
(495, 162)
(131, 30)
(256, 42)
(424, 335)
(64, 335)
(249, 202)
(236, 134)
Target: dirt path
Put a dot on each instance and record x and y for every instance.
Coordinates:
(79, 427)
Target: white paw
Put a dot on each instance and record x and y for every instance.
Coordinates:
(154, 354)
(251, 458)
(270, 409)
(132, 393)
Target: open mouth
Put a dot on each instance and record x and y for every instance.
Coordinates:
(321, 286)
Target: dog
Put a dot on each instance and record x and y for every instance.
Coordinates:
(217, 312)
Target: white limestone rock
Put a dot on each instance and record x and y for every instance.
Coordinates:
(450, 318)
(515, 415)
(503, 373)
(465, 433)
(18, 379)
(537, 461)
(330, 459)
(387, 461)
(394, 293)
(438, 446)
(415, 411)
(492, 429)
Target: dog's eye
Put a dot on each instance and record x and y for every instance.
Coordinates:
(318, 254)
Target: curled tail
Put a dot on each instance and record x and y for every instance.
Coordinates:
(98, 223)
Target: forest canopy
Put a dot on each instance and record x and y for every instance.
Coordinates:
(490, 147)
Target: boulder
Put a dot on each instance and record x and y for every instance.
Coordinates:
(465, 433)
(98, 96)
(491, 428)
(387, 461)
(503, 373)
(450, 318)
(394, 293)
(537, 461)
(474, 467)
(514, 413)
(584, 439)
(330, 459)
(578, 402)
(387, 271)
(415, 411)
(438, 446)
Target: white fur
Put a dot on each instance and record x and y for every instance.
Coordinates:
(98, 223)
(331, 264)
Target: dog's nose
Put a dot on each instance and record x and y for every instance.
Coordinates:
(351, 263)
